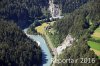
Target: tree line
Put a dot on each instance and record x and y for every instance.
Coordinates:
(23, 12)
(16, 49)
(80, 23)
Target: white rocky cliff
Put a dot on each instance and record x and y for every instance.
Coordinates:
(67, 42)
(54, 10)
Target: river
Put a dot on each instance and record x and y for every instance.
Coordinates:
(46, 55)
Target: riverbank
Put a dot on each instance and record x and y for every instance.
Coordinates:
(51, 47)
(43, 31)
(49, 44)
(46, 55)
(94, 42)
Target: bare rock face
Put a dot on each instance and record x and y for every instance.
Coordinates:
(67, 42)
(54, 10)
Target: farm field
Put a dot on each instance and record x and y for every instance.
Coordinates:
(95, 42)
(41, 29)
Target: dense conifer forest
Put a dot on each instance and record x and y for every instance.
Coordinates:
(23, 12)
(68, 6)
(81, 18)
(80, 23)
(15, 48)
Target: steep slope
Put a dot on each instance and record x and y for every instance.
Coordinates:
(23, 12)
(54, 9)
(80, 24)
(68, 6)
(15, 48)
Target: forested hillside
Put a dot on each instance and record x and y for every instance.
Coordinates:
(81, 53)
(15, 48)
(80, 23)
(81, 18)
(68, 6)
(31, 10)
(23, 12)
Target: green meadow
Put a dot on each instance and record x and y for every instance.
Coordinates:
(94, 45)
(94, 42)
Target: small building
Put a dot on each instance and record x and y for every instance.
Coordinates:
(47, 27)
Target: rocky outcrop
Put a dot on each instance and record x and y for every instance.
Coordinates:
(54, 10)
(67, 42)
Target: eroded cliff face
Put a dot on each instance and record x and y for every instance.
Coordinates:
(54, 9)
(66, 43)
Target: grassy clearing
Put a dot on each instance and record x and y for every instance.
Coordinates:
(49, 41)
(96, 38)
(96, 52)
(96, 33)
(40, 29)
(98, 29)
(94, 45)
(99, 57)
